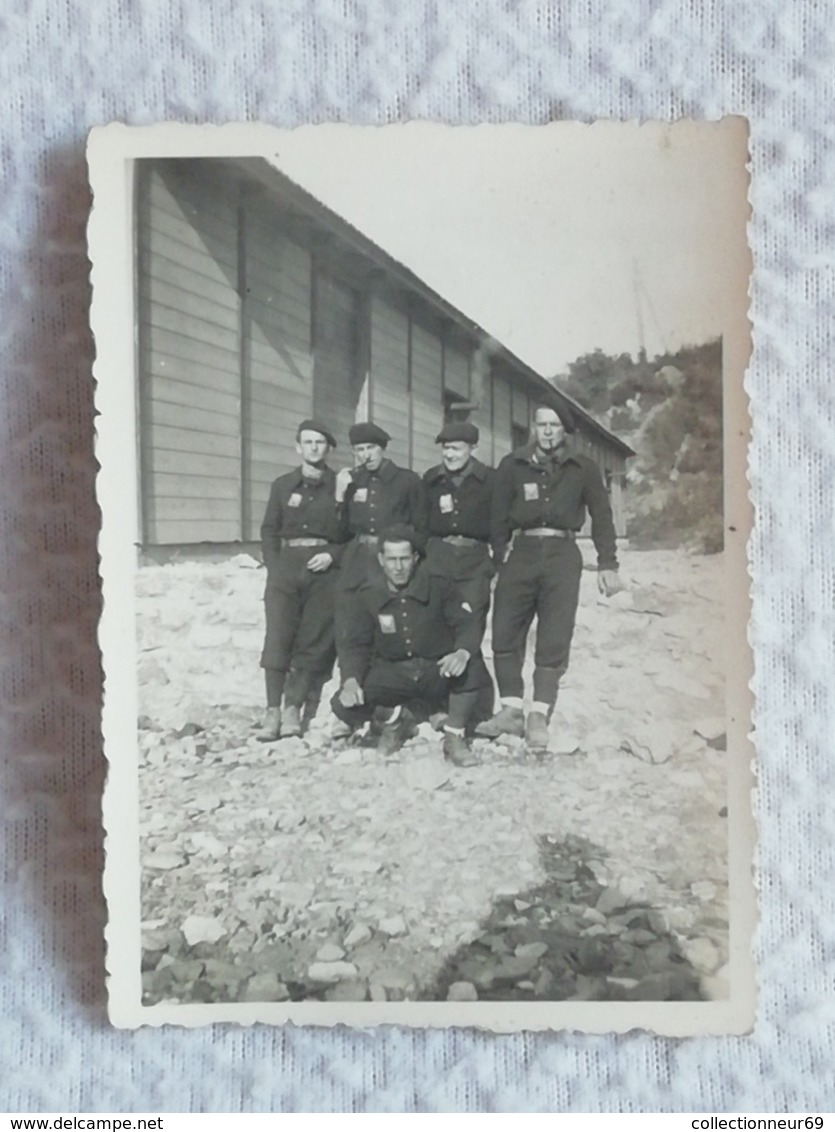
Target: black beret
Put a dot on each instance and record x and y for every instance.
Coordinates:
(458, 430)
(402, 532)
(367, 433)
(563, 412)
(315, 426)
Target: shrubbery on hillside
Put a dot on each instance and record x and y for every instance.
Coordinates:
(670, 411)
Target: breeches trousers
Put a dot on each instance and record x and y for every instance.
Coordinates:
(541, 579)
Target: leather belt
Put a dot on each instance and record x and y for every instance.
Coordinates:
(463, 540)
(547, 532)
(304, 542)
(368, 540)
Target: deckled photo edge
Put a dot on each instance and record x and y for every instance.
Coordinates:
(112, 153)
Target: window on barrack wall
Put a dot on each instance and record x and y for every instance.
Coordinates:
(518, 436)
(456, 408)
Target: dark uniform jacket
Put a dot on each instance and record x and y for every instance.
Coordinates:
(301, 508)
(461, 510)
(374, 501)
(426, 620)
(530, 494)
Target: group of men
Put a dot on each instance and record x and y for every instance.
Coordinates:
(390, 576)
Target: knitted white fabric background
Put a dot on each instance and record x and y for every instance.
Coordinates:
(68, 66)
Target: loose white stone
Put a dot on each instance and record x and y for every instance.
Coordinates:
(531, 950)
(350, 757)
(703, 890)
(565, 743)
(330, 953)
(165, 860)
(426, 773)
(202, 929)
(265, 987)
(331, 972)
(358, 935)
(702, 954)
(462, 992)
(593, 915)
(206, 844)
(393, 926)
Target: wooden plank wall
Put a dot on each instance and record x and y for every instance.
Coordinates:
(521, 408)
(427, 396)
(482, 387)
(188, 320)
(337, 381)
(390, 376)
(502, 434)
(456, 370)
(238, 342)
(277, 359)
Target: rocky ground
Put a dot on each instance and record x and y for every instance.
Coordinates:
(299, 870)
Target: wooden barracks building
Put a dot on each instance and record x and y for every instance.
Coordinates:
(257, 307)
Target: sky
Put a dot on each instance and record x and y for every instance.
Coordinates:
(556, 239)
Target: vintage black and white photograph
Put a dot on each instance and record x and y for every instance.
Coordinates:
(424, 498)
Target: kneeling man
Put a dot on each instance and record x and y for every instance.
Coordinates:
(406, 652)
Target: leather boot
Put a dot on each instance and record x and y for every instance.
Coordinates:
(271, 727)
(456, 750)
(506, 721)
(536, 731)
(311, 706)
(291, 724)
(394, 735)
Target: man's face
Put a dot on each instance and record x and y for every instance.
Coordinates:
(368, 455)
(312, 447)
(398, 560)
(548, 429)
(456, 454)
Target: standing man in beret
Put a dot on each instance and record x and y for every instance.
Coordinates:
(374, 494)
(459, 493)
(540, 500)
(407, 651)
(301, 539)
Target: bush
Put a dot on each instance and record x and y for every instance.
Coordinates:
(674, 497)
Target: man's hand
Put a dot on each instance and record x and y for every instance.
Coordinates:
(350, 694)
(609, 583)
(344, 477)
(454, 663)
(320, 562)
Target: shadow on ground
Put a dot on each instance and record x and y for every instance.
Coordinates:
(569, 938)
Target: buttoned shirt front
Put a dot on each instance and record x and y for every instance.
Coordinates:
(376, 500)
(302, 508)
(426, 619)
(461, 508)
(531, 492)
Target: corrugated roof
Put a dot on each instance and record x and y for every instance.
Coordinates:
(278, 182)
